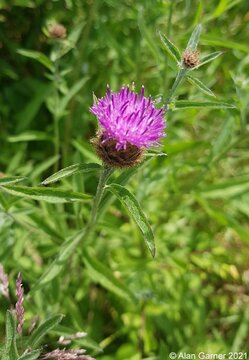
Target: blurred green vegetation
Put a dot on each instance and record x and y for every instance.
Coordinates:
(194, 296)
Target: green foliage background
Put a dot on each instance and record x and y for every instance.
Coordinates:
(194, 295)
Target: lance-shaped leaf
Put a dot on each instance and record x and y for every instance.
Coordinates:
(71, 170)
(6, 180)
(194, 38)
(171, 49)
(210, 57)
(70, 94)
(182, 104)
(10, 351)
(45, 194)
(66, 250)
(38, 56)
(193, 80)
(103, 275)
(30, 136)
(43, 329)
(132, 205)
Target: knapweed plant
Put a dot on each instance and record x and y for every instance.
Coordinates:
(130, 128)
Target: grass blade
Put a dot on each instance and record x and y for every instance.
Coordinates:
(33, 355)
(102, 274)
(43, 329)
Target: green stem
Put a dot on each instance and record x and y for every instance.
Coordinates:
(106, 172)
(169, 23)
(180, 76)
(69, 246)
(56, 116)
(83, 234)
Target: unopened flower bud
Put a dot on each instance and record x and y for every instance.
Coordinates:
(190, 58)
(58, 31)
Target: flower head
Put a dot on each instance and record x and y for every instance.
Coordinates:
(128, 123)
(57, 31)
(190, 58)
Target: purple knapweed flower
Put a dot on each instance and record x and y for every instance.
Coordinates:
(129, 124)
(127, 117)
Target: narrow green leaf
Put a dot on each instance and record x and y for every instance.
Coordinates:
(194, 38)
(224, 219)
(6, 180)
(45, 194)
(227, 189)
(242, 332)
(66, 250)
(210, 57)
(10, 351)
(70, 94)
(182, 104)
(43, 166)
(85, 149)
(218, 41)
(171, 49)
(31, 355)
(71, 170)
(103, 275)
(43, 329)
(30, 136)
(132, 205)
(200, 85)
(147, 35)
(38, 56)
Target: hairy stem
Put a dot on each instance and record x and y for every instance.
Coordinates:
(180, 76)
(106, 172)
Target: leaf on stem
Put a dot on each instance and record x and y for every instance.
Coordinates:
(171, 49)
(38, 56)
(6, 180)
(194, 38)
(184, 104)
(51, 195)
(10, 351)
(71, 170)
(193, 80)
(206, 59)
(132, 205)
